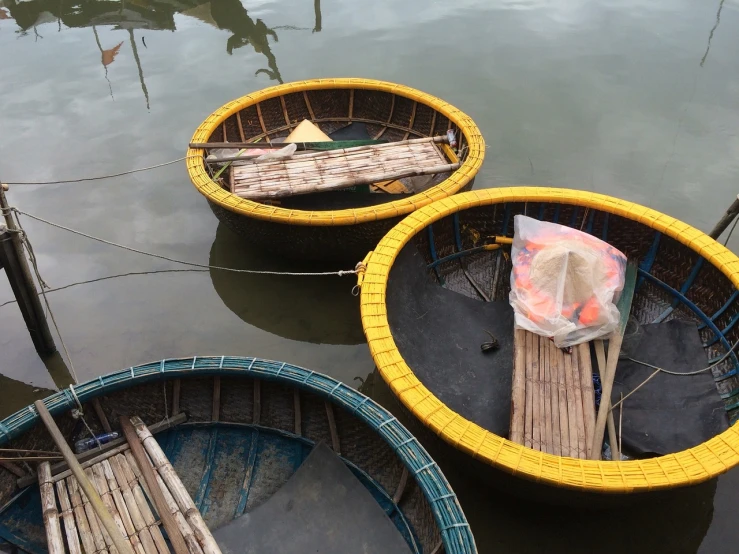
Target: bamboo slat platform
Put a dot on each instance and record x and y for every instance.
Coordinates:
(553, 402)
(119, 480)
(336, 169)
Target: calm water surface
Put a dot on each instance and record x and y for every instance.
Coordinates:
(634, 99)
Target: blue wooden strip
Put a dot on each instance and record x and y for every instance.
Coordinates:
(556, 213)
(573, 220)
(695, 309)
(454, 256)
(205, 480)
(723, 308)
(589, 228)
(506, 219)
(457, 234)
(648, 261)
(251, 461)
(725, 329)
(541, 210)
(684, 289)
(432, 248)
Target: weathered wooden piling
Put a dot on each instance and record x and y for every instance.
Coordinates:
(726, 220)
(21, 281)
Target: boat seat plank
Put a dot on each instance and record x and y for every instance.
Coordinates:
(556, 411)
(119, 480)
(337, 169)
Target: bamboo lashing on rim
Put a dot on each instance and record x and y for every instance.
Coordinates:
(119, 481)
(336, 169)
(553, 401)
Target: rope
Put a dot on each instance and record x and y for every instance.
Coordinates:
(340, 273)
(100, 177)
(129, 274)
(736, 220)
(662, 370)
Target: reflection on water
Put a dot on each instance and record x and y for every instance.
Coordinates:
(600, 95)
(315, 309)
(154, 15)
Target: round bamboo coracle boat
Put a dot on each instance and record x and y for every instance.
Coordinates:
(233, 437)
(437, 287)
(332, 225)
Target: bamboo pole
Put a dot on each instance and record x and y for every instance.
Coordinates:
(573, 422)
(88, 541)
(600, 354)
(554, 381)
(175, 486)
(528, 431)
(536, 418)
(119, 541)
(137, 449)
(138, 494)
(614, 348)
(585, 365)
(518, 396)
(54, 538)
(547, 388)
(564, 421)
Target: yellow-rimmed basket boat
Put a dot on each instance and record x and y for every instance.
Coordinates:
(350, 224)
(684, 277)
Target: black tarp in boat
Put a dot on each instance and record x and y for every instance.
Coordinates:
(669, 413)
(322, 508)
(439, 332)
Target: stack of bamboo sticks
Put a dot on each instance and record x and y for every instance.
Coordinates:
(553, 403)
(338, 169)
(121, 484)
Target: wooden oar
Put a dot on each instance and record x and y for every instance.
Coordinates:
(324, 145)
(160, 503)
(119, 541)
(614, 348)
(600, 354)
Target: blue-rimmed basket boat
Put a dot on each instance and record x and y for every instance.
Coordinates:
(683, 276)
(249, 424)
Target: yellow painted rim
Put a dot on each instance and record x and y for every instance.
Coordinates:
(697, 464)
(456, 182)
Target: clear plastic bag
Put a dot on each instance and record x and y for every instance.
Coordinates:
(564, 282)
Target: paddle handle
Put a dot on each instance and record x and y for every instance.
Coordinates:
(119, 541)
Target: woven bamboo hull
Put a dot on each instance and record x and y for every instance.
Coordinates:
(673, 256)
(389, 111)
(247, 417)
(347, 243)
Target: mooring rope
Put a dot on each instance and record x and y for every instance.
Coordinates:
(339, 273)
(99, 177)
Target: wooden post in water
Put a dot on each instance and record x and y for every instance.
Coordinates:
(726, 220)
(19, 275)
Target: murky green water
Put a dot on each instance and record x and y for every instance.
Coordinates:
(635, 99)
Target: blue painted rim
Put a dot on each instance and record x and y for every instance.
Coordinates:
(455, 531)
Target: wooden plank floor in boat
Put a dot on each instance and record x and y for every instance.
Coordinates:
(555, 411)
(336, 169)
(117, 477)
